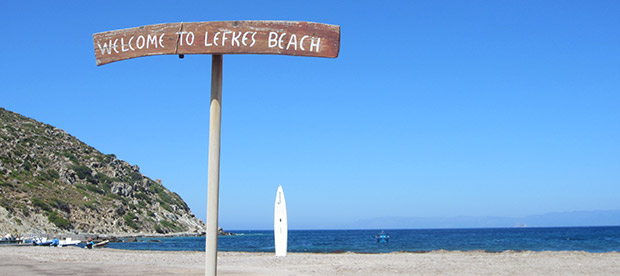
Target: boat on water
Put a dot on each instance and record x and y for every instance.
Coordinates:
(96, 244)
(383, 237)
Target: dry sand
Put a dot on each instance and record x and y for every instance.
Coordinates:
(77, 261)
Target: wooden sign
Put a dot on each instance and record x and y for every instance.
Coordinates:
(219, 37)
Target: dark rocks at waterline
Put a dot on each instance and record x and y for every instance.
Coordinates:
(115, 239)
(221, 232)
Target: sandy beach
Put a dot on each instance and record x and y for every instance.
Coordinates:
(78, 261)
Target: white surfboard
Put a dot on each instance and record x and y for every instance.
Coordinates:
(280, 224)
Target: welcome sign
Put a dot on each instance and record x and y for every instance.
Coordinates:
(219, 37)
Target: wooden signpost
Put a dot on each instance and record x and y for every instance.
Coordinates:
(218, 38)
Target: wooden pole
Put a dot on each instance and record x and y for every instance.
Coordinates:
(213, 184)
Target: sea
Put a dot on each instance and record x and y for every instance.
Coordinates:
(589, 239)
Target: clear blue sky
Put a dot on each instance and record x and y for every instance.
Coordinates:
(432, 109)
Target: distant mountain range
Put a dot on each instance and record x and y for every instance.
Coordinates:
(558, 219)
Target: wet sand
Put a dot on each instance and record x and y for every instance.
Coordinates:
(78, 261)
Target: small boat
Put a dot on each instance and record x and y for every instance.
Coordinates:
(102, 243)
(10, 242)
(41, 242)
(383, 237)
(96, 244)
(68, 242)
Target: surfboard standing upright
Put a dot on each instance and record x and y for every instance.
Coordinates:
(280, 224)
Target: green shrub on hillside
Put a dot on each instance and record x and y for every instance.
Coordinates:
(134, 176)
(114, 196)
(25, 210)
(165, 206)
(49, 175)
(6, 204)
(165, 197)
(71, 157)
(143, 197)
(60, 205)
(84, 172)
(155, 188)
(170, 225)
(27, 166)
(59, 221)
(104, 179)
(90, 205)
(39, 203)
(91, 188)
(141, 204)
(129, 220)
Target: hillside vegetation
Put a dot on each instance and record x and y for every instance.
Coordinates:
(52, 182)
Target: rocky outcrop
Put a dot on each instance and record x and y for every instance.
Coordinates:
(52, 182)
(221, 232)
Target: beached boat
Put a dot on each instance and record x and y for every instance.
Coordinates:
(68, 242)
(41, 242)
(10, 242)
(383, 237)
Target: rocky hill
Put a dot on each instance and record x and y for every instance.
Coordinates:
(50, 182)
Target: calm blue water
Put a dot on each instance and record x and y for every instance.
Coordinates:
(591, 239)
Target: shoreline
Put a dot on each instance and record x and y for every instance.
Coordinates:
(337, 252)
(78, 261)
(85, 236)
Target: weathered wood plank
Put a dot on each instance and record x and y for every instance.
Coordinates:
(219, 37)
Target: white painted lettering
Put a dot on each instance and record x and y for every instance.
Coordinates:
(105, 48)
(216, 38)
(151, 40)
(181, 37)
(235, 39)
(207, 40)
(189, 40)
(301, 42)
(253, 40)
(280, 41)
(224, 37)
(273, 39)
(317, 44)
(244, 38)
(138, 42)
(123, 49)
(129, 43)
(114, 47)
(292, 41)
(161, 41)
